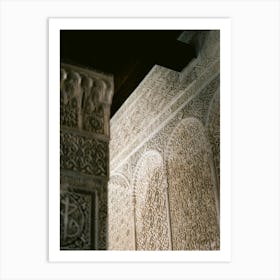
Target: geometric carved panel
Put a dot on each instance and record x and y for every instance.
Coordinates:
(76, 220)
(193, 208)
(151, 209)
(83, 154)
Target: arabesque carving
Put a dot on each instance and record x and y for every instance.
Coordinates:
(83, 154)
(85, 99)
(166, 142)
(120, 214)
(151, 215)
(194, 223)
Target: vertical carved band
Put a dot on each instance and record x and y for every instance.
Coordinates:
(85, 99)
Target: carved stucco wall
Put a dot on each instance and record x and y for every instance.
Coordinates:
(194, 223)
(120, 214)
(150, 204)
(85, 98)
(165, 142)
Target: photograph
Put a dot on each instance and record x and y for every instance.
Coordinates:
(140, 139)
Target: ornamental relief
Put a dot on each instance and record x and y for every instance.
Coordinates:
(102, 220)
(191, 98)
(213, 130)
(161, 87)
(75, 220)
(82, 101)
(198, 106)
(69, 98)
(120, 214)
(151, 209)
(83, 154)
(193, 213)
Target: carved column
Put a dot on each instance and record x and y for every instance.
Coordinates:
(85, 100)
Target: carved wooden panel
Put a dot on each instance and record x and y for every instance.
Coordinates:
(151, 212)
(120, 214)
(85, 99)
(83, 154)
(193, 211)
(76, 211)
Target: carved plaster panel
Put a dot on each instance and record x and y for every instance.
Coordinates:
(120, 214)
(153, 124)
(151, 209)
(193, 212)
(160, 144)
(198, 106)
(145, 102)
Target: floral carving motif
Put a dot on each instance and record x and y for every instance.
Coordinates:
(83, 154)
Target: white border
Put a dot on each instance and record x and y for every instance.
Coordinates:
(55, 25)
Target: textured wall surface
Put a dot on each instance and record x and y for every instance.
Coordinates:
(85, 98)
(163, 193)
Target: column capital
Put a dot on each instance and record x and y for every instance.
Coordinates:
(85, 98)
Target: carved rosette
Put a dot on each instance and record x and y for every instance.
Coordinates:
(85, 99)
